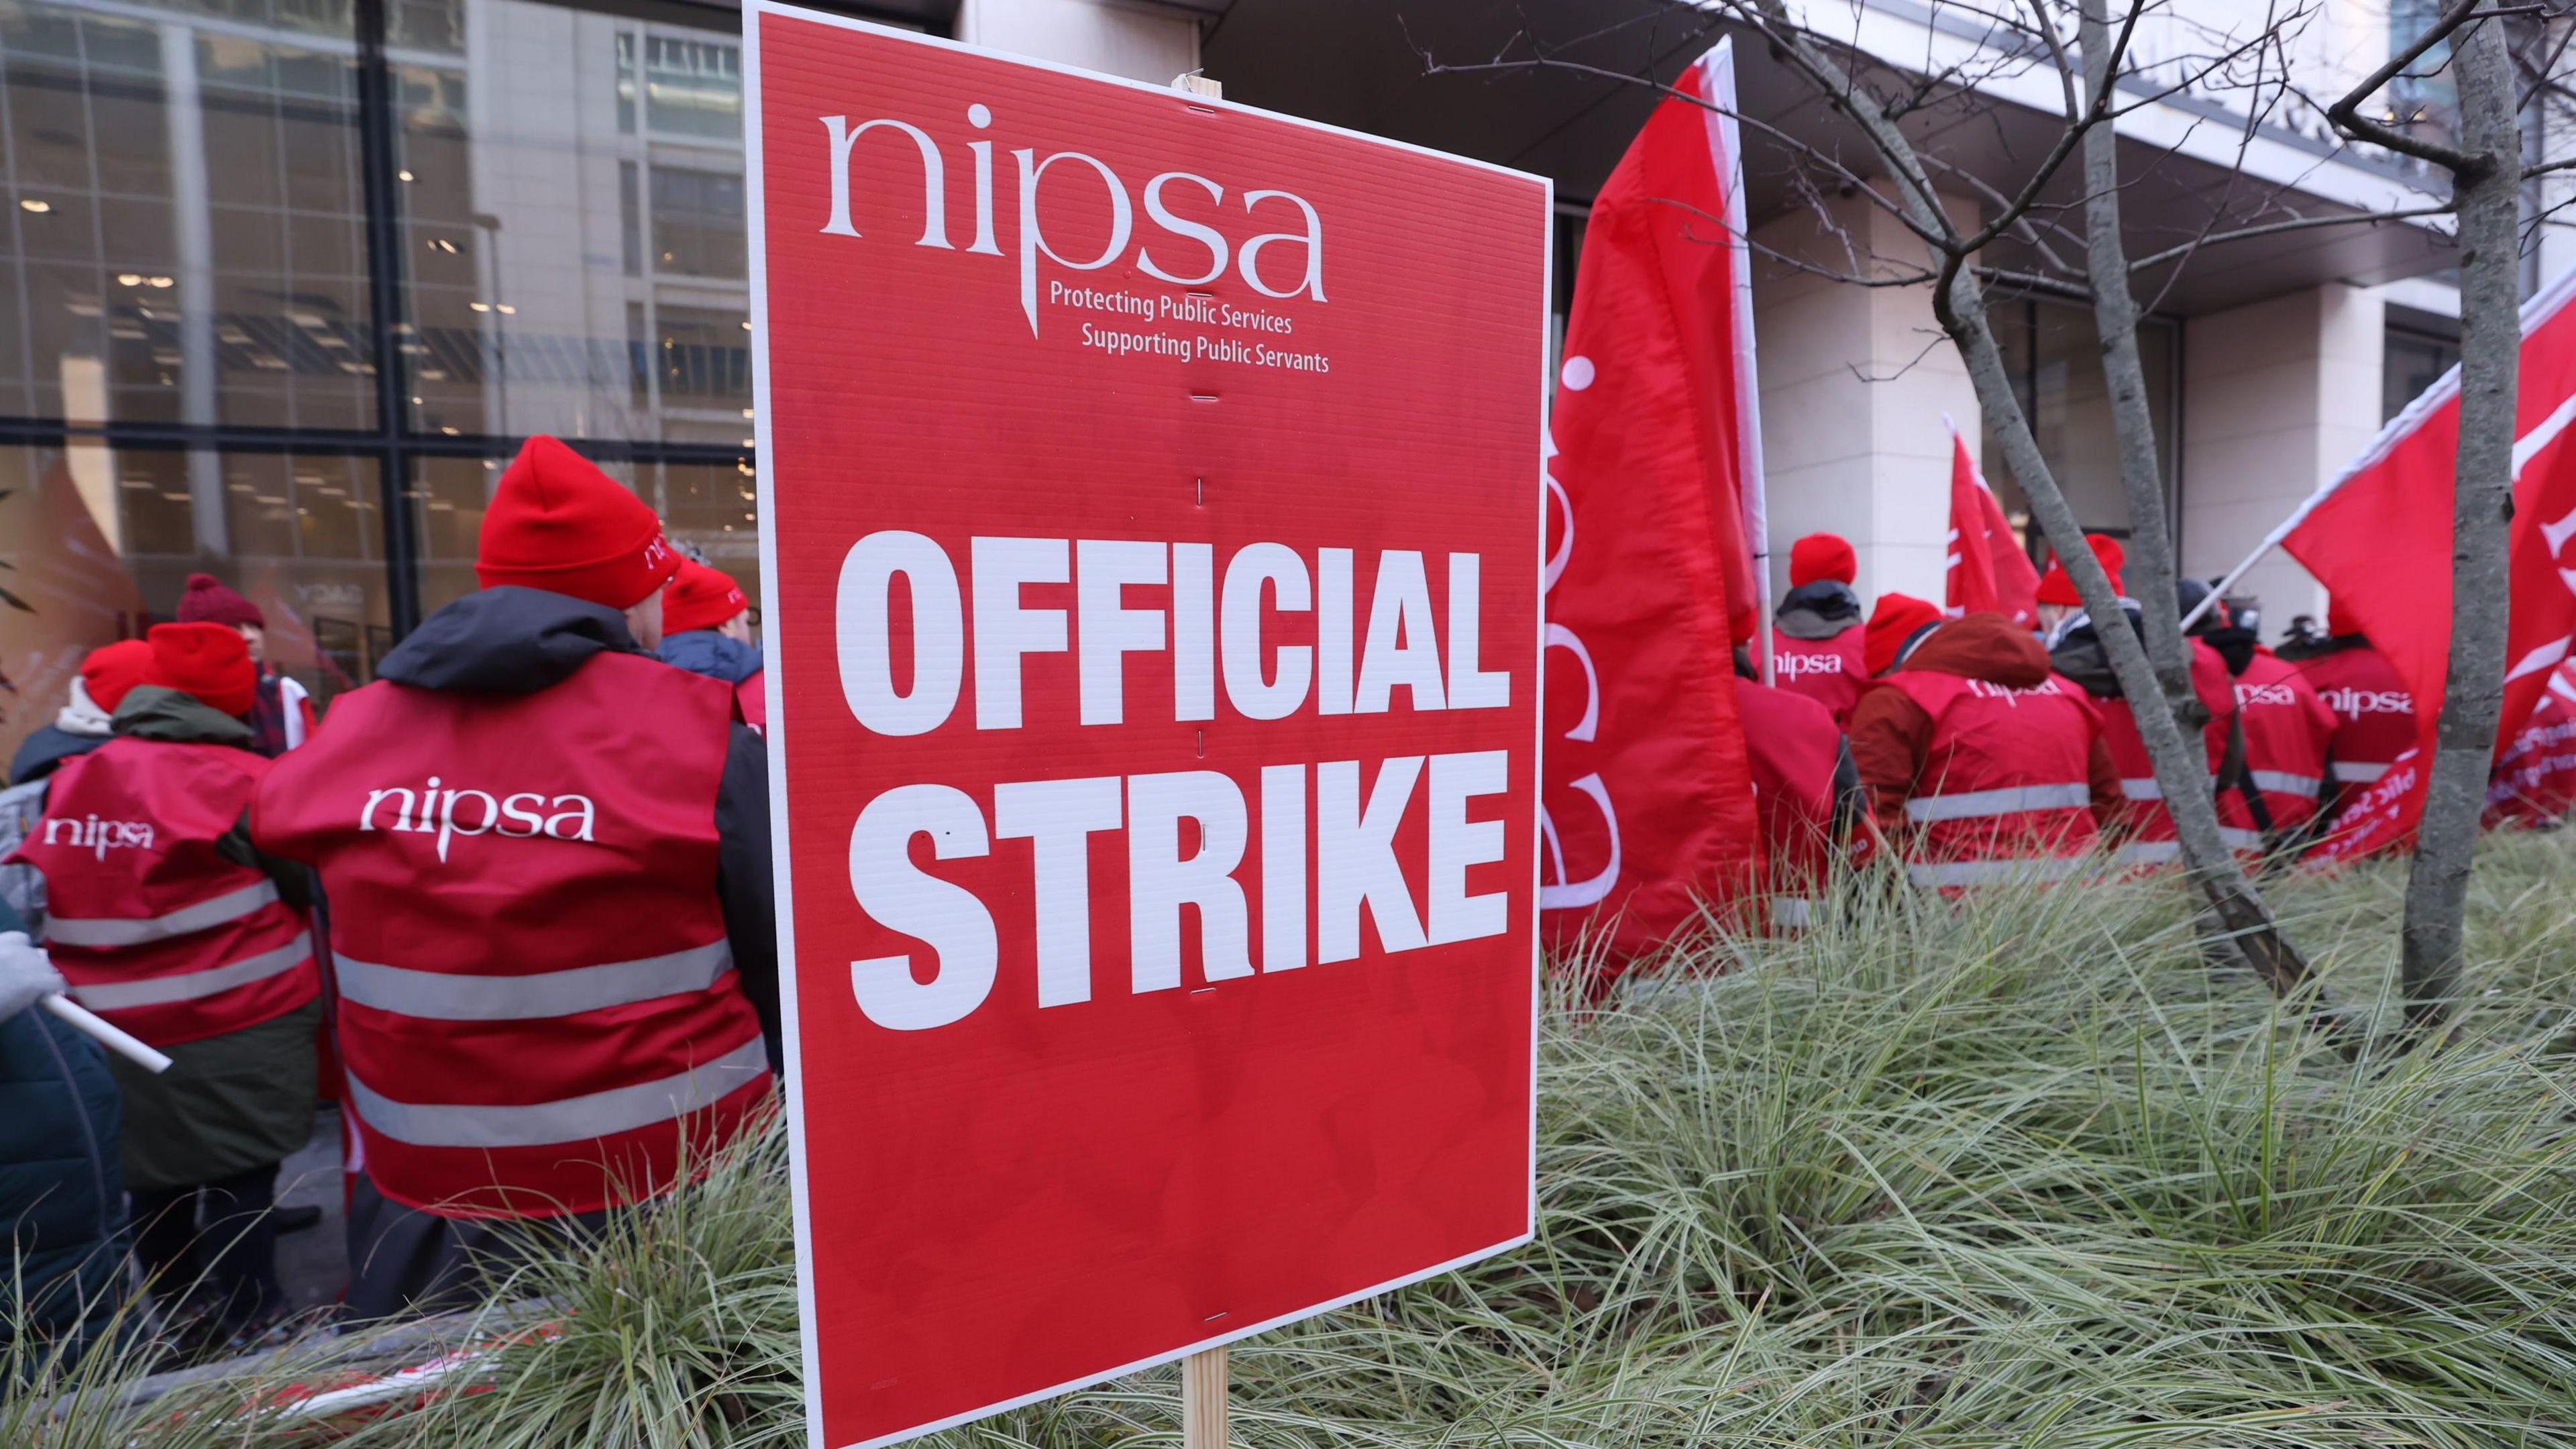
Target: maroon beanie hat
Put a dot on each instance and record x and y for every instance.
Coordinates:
(210, 661)
(560, 524)
(699, 597)
(207, 601)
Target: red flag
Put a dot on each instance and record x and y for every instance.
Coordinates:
(1649, 576)
(2379, 539)
(1988, 570)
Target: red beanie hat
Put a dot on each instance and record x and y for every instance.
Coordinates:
(113, 669)
(557, 523)
(210, 661)
(207, 601)
(1821, 556)
(1897, 618)
(2339, 622)
(2056, 588)
(699, 597)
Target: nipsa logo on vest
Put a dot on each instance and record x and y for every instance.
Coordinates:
(1793, 666)
(2354, 703)
(1196, 251)
(522, 815)
(99, 836)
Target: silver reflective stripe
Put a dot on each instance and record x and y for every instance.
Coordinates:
(2350, 773)
(2146, 789)
(2282, 783)
(573, 1119)
(230, 906)
(446, 996)
(194, 985)
(1792, 911)
(2240, 839)
(1988, 872)
(2149, 852)
(2011, 800)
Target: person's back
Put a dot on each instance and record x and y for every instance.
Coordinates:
(1983, 764)
(1796, 754)
(2144, 827)
(1816, 640)
(2374, 710)
(547, 859)
(2287, 733)
(706, 629)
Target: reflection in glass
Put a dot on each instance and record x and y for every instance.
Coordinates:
(573, 237)
(182, 241)
(706, 509)
(98, 543)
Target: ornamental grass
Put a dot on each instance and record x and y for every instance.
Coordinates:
(2022, 1170)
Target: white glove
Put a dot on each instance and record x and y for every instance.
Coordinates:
(26, 973)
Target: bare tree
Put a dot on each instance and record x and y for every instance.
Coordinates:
(2085, 46)
(2486, 178)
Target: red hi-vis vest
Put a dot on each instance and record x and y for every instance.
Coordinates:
(1791, 744)
(1828, 671)
(2148, 835)
(2004, 792)
(538, 1008)
(2374, 712)
(2287, 731)
(750, 703)
(154, 929)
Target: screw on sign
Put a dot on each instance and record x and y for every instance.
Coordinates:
(1151, 567)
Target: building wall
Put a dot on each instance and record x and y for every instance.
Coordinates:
(1103, 35)
(2277, 398)
(1855, 381)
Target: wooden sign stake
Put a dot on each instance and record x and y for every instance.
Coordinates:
(1203, 1389)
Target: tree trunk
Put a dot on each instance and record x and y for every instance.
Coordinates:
(2173, 732)
(2473, 697)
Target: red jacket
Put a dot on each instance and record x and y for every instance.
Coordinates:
(1828, 671)
(2288, 731)
(155, 928)
(2374, 717)
(1793, 746)
(751, 701)
(1982, 765)
(538, 1005)
(2145, 828)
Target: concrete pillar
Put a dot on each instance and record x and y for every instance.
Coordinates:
(2278, 396)
(1136, 41)
(1854, 384)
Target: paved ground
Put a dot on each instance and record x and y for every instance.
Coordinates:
(314, 1264)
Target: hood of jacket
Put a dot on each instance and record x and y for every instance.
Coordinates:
(175, 717)
(1982, 646)
(2079, 656)
(1818, 610)
(704, 651)
(506, 640)
(80, 715)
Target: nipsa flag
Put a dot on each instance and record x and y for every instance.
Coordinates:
(2379, 539)
(1655, 482)
(1988, 572)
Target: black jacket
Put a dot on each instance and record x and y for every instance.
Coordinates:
(512, 640)
(1818, 610)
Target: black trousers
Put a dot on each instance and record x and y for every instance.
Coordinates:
(213, 1245)
(403, 1261)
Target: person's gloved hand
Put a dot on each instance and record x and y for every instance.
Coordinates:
(26, 973)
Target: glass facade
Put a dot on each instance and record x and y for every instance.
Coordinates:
(283, 283)
(2056, 361)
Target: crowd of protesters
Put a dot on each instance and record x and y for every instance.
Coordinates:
(513, 908)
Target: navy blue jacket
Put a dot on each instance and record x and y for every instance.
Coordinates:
(62, 1196)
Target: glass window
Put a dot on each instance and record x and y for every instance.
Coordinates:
(574, 242)
(2411, 362)
(706, 509)
(2056, 363)
(97, 542)
(184, 235)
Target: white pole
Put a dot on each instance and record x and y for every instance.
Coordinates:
(110, 1037)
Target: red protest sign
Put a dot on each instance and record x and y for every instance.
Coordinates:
(1150, 529)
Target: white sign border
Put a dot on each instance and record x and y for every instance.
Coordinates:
(773, 694)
